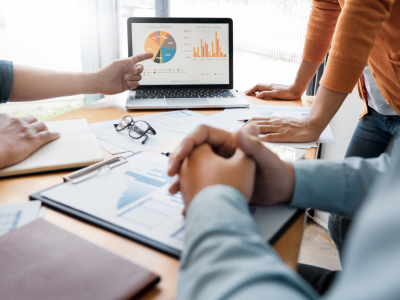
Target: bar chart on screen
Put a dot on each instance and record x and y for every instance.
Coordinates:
(209, 50)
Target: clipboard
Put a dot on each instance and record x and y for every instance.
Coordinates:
(89, 172)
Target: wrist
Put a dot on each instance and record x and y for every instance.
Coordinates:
(289, 186)
(90, 82)
(297, 89)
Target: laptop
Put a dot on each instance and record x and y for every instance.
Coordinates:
(192, 64)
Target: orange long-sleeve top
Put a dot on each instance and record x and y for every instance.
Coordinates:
(358, 31)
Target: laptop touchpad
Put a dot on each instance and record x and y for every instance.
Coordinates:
(187, 101)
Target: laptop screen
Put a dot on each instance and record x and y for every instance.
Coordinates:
(183, 54)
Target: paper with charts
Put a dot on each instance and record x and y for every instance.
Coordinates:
(262, 111)
(135, 196)
(171, 128)
(13, 216)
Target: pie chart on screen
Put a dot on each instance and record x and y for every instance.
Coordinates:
(162, 45)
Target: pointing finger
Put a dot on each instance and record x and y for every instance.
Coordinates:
(140, 57)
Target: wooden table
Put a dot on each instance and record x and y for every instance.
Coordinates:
(18, 189)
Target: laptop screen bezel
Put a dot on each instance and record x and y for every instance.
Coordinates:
(186, 21)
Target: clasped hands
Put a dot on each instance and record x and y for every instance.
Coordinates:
(211, 156)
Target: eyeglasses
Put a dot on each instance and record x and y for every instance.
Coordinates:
(137, 129)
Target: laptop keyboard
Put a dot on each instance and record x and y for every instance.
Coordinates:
(160, 94)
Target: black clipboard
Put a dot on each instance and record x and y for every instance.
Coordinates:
(90, 219)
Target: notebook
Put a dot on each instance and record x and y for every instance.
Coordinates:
(43, 261)
(77, 147)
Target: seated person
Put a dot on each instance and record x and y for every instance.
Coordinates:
(20, 137)
(225, 257)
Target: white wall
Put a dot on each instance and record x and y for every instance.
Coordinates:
(343, 125)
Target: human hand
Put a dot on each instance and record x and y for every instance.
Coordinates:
(121, 75)
(20, 137)
(274, 91)
(286, 129)
(274, 181)
(221, 141)
(204, 168)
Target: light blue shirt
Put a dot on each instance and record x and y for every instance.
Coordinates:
(225, 257)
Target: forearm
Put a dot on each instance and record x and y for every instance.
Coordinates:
(336, 187)
(36, 84)
(225, 257)
(325, 106)
(305, 73)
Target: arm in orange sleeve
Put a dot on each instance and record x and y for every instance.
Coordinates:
(356, 30)
(321, 26)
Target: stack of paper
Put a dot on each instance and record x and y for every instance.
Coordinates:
(172, 127)
(228, 120)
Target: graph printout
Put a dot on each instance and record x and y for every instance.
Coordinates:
(133, 195)
(13, 216)
(183, 53)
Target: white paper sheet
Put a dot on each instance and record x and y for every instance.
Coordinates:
(163, 141)
(111, 148)
(135, 196)
(13, 216)
(223, 120)
(278, 111)
(183, 121)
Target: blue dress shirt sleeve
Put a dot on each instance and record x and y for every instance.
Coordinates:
(225, 257)
(336, 187)
(6, 80)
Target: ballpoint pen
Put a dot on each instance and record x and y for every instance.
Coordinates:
(245, 120)
(165, 153)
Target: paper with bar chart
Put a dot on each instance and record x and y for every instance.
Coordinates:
(171, 128)
(183, 53)
(133, 195)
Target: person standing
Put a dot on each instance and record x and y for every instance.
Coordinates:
(364, 37)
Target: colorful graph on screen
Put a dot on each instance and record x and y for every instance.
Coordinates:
(162, 45)
(206, 51)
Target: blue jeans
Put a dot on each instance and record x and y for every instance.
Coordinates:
(370, 139)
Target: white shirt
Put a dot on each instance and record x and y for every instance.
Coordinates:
(375, 97)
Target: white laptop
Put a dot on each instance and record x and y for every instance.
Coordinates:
(192, 64)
